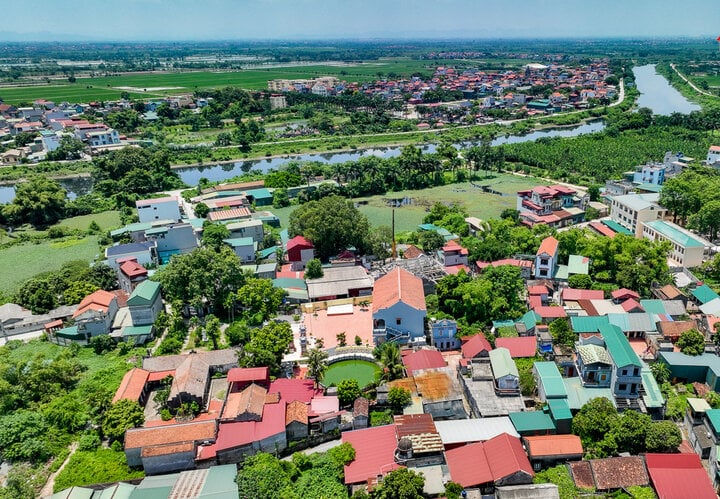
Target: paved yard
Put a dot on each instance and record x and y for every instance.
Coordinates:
(484, 401)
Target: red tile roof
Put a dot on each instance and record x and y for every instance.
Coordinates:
(582, 475)
(548, 246)
(523, 346)
(631, 304)
(132, 385)
(423, 359)
(298, 241)
(374, 453)
(619, 472)
(474, 346)
(228, 214)
(537, 290)
(554, 445)
(624, 293)
(99, 300)
(296, 411)
(550, 312)
(195, 431)
(132, 268)
(294, 389)
(570, 294)
(248, 374)
(675, 476)
(485, 462)
(232, 435)
(453, 246)
(398, 285)
(603, 229)
(412, 252)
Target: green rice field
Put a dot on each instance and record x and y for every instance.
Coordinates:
(361, 370)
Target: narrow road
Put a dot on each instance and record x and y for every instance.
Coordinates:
(672, 65)
(47, 490)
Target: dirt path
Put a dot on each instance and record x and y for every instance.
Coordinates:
(47, 490)
(686, 80)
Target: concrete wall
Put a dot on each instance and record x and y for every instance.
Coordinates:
(177, 461)
(411, 319)
(142, 316)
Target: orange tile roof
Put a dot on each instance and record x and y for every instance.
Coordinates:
(296, 411)
(164, 450)
(99, 300)
(398, 285)
(186, 432)
(548, 246)
(247, 404)
(554, 445)
(132, 385)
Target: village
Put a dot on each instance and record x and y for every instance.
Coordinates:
(373, 364)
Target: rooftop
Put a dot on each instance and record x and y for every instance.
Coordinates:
(550, 379)
(619, 472)
(532, 422)
(522, 346)
(474, 430)
(475, 345)
(423, 359)
(619, 347)
(374, 453)
(398, 285)
(160, 435)
(502, 363)
(675, 234)
(679, 475)
(553, 445)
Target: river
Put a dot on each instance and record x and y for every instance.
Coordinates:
(658, 95)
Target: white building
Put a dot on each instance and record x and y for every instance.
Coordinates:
(713, 156)
(687, 249)
(104, 137)
(166, 208)
(546, 259)
(632, 210)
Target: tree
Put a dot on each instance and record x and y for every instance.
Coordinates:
(69, 148)
(214, 234)
(259, 299)
(580, 281)
(38, 294)
(201, 210)
(630, 431)
(561, 332)
(380, 242)
(662, 436)
(332, 224)
(661, 372)
(40, 202)
(401, 483)
(202, 277)
(313, 269)
(399, 397)
(280, 198)
(23, 437)
(594, 420)
(102, 343)
(78, 290)
(237, 333)
(263, 476)
(430, 241)
(707, 219)
(121, 416)
(341, 339)
(691, 342)
(267, 347)
(348, 390)
(389, 356)
(317, 365)
(212, 329)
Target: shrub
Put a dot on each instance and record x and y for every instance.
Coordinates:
(89, 442)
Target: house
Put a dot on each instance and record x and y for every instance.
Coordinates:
(296, 420)
(570, 294)
(299, 252)
(529, 423)
(102, 138)
(144, 253)
(361, 413)
(145, 303)
(230, 215)
(419, 443)
(631, 211)
(247, 228)
(505, 373)
(615, 473)
(172, 239)
(545, 451)
(166, 208)
(484, 465)
(546, 258)
(687, 249)
(422, 359)
(622, 294)
(523, 346)
(458, 432)
(713, 156)
(679, 475)
(556, 206)
(476, 347)
(626, 379)
(374, 453)
(398, 307)
(443, 334)
(699, 428)
(549, 381)
(712, 423)
(340, 282)
(704, 368)
(440, 391)
(453, 254)
(130, 274)
(133, 386)
(95, 314)
(594, 365)
(244, 247)
(164, 449)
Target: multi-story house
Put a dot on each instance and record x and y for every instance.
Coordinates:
(104, 137)
(453, 254)
(399, 307)
(626, 379)
(632, 210)
(556, 205)
(594, 365)
(546, 258)
(443, 333)
(713, 156)
(687, 249)
(166, 208)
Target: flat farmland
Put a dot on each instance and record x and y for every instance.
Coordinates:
(70, 92)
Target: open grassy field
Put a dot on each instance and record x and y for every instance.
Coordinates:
(70, 92)
(23, 261)
(408, 217)
(107, 220)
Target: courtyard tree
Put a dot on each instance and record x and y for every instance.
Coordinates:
(267, 347)
(214, 234)
(691, 342)
(348, 390)
(259, 299)
(662, 436)
(313, 269)
(399, 397)
(401, 483)
(317, 365)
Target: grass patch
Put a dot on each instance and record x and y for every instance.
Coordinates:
(107, 220)
(100, 466)
(361, 370)
(23, 261)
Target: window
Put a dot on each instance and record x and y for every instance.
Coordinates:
(636, 372)
(603, 377)
(623, 372)
(622, 387)
(543, 261)
(543, 273)
(398, 321)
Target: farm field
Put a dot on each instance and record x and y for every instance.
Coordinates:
(408, 217)
(28, 259)
(160, 84)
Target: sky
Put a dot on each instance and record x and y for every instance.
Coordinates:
(130, 20)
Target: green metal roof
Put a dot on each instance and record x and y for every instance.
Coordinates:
(704, 294)
(619, 347)
(289, 282)
(499, 324)
(531, 421)
(239, 241)
(559, 409)
(550, 379)
(73, 493)
(650, 187)
(161, 492)
(502, 364)
(137, 330)
(653, 396)
(588, 324)
(617, 227)
(266, 267)
(530, 319)
(260, 193)
(144, 294)
(579, 395)
(118, 491)
(156, 230)
(679, 359)
(653, 306)
(713, 416)
(592, 354)
(674, 234)
(70, 333)
(562, 272)
(578, 264)
(220, 483)
(267, 252)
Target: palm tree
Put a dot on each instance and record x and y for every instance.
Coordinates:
(389, 356)
(317, 365)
